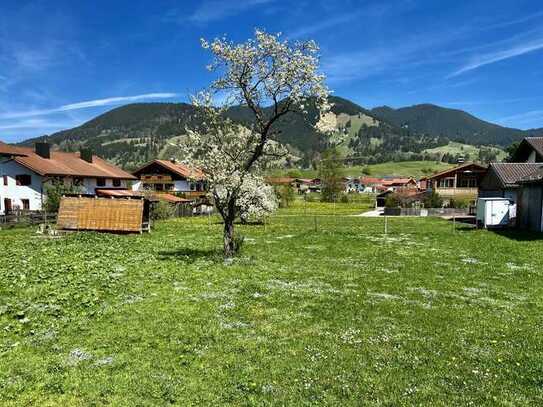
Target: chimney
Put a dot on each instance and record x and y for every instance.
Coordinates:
(86, 155)
(43, 150)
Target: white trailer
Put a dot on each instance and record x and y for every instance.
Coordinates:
(495, 212)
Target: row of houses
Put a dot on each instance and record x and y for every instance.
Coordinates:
(350, 184)
(519, 181)
(25, 174)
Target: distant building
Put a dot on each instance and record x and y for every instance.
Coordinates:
(530, 150)
(458, 182)
(169, 176)
(25, 174)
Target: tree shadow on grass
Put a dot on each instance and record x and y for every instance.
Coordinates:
(512, 234)
(190, 255)
(519, 235)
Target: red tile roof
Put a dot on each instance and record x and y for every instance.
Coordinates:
(6, 149)
(371, 180)
(64, 164)
(177, 168)
(279, 180)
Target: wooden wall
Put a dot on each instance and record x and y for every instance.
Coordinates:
(101, 214)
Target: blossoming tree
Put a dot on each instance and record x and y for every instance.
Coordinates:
(270, 78)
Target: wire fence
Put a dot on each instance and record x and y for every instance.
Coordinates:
(360, 225)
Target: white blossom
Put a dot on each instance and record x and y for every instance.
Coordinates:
(270, 78)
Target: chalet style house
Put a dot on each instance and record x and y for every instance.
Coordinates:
(458, 182)
(26, 172)
(169, 176)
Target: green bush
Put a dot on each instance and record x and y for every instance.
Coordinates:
(392, 201)
(54, 191)
(432, 200)
(162, 210)
(285, 195)
(344, 198)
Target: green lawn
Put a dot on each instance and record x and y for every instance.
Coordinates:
(319, 308)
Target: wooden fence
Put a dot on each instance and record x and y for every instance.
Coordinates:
(27, 218)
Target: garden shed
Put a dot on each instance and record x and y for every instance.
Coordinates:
(130, 214)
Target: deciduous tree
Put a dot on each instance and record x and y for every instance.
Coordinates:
(269, 77)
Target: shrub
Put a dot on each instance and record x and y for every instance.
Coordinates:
(432, 200)
(54, 191)
(344, 198)
(162, 210)
(392, 201)
(285, 195)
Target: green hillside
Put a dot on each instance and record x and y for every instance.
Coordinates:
(469, 152)
(416, 169)
(454, 124)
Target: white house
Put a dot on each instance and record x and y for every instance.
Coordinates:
(169, 176)
(26, 172)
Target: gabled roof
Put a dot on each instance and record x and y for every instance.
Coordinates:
(279, 180)
(510, 174)
(398, 181)
(175, 167)
(64, 164)
(371, 180)
(455, 169)
(8, 150)
(534, 142)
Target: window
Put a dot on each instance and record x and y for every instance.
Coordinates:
(5, 180)
(192, 186)
(23, 179)
(77, 181)
(446, 183)
(116, 182)
(100, 182)
(26, 204)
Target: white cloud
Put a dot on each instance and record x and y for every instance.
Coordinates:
(480, 60)
(88, 104)
(533, 118)
(36, 124)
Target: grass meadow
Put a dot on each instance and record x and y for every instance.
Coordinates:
(320, 308)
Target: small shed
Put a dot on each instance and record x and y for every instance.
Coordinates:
(123, 214)
(495, 212)
(531, 202)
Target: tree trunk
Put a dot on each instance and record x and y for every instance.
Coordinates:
(229, 242)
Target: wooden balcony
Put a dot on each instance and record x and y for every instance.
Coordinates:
(457, 192)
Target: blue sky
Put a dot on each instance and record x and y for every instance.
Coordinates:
(64, 62)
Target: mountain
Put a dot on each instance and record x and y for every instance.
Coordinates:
(454, 124)
(133, 134)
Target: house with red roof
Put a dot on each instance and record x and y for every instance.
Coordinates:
(26, 172)
(170, 176)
